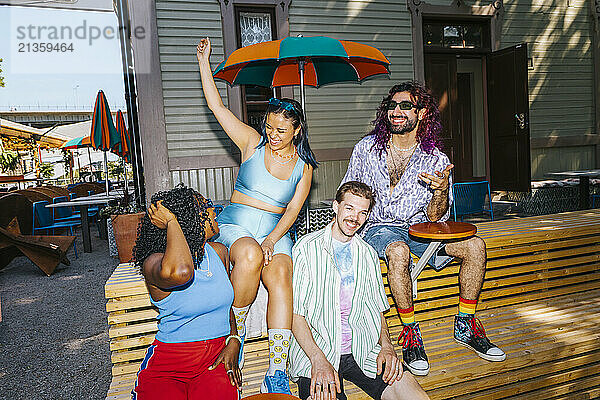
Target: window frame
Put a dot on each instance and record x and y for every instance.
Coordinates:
(229, 23)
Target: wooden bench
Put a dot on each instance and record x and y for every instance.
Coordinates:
(540, 303)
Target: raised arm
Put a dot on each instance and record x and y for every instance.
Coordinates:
(242, 135)
(174, 267)
(290, 214)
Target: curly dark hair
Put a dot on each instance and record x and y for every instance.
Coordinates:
(430, 127)
(191, 210)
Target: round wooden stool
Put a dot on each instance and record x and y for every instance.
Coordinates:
(437, 232)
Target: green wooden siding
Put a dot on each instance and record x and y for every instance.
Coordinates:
(191, 128)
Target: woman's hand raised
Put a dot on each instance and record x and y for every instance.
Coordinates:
(203, 50)
(159, 215)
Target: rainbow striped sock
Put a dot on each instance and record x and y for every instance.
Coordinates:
(466, 307)
(407, 315)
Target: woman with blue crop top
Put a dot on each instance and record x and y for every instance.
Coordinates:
(195, 352)
(271, 187)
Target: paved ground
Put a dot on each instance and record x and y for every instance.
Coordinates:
(53, 334)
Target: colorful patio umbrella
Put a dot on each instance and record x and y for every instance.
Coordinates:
(313, 61)
(104, 135)
(78, 143)
(122, 148)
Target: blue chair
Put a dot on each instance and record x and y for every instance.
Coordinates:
(63, 214)
(470, 198)
(595, 197)
(43, 221)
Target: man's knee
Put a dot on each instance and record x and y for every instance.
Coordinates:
(398, 253)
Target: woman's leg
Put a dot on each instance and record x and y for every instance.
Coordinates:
(246, 256)
(277, 277)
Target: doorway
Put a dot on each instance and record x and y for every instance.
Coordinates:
(454, 54)
(483, 100)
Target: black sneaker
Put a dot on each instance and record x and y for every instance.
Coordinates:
(469, 332)
(413, 350)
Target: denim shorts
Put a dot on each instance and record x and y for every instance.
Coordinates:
(381, 236)
(238, 220)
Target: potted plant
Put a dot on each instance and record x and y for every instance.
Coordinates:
(123, 222)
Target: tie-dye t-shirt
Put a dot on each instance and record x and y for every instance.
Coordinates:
(343, 261)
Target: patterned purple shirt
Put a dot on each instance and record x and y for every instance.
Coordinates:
(407, 204)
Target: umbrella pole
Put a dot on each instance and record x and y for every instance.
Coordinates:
(90, 158)
(106, 171)
(125, 172)
(78, 168)
(301, 69)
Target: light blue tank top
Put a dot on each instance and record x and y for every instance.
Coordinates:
(199, 310)
(255, 181)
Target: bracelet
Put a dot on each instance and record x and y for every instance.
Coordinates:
(233, 337)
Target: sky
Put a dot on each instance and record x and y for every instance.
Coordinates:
(85, 58)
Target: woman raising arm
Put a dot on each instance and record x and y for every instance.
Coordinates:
(271, 187)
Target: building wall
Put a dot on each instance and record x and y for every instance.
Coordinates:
(558, 35)
(192, 130)
(338, 115)
(560, 83)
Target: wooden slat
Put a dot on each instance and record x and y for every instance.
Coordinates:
(540, 303)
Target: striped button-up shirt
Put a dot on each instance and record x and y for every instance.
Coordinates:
(316, 288)
(407, 204)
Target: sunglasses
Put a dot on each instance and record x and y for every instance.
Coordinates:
(404, 105)
(283, 104)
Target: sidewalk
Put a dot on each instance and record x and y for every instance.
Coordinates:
(53, 334)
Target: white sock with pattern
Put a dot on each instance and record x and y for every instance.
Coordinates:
(279, 347)
(240, 314)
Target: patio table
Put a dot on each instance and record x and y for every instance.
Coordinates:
(82, 203)
(584, 183)
(437, 232)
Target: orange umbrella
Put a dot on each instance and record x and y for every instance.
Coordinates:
(313, 61)
(123, 147)
(103, 135)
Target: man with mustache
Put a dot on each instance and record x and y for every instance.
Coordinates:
(339, 329)
(401, 160)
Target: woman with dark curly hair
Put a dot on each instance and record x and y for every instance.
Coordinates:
(271, 187)
(195, 353)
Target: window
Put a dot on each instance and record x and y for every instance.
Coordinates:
(455, 35)
(254, 25)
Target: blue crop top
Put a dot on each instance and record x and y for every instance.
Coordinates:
(255, 181)
(200, 310)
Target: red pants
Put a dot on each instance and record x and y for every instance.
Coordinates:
(180, 371)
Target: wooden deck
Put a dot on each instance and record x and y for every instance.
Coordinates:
(540, 303)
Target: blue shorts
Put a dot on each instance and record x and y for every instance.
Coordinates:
(238, 220)
(381, 236)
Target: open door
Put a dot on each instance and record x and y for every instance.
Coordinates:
(508, 119)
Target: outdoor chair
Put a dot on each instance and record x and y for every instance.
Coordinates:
(63, 214)
(470, 198)
(43, 221)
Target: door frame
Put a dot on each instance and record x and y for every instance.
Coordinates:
(457, 10)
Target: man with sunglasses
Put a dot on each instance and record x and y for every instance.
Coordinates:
(401, 160)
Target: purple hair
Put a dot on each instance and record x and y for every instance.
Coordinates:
(430, 127)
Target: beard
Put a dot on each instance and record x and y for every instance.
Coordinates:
(408, 126)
